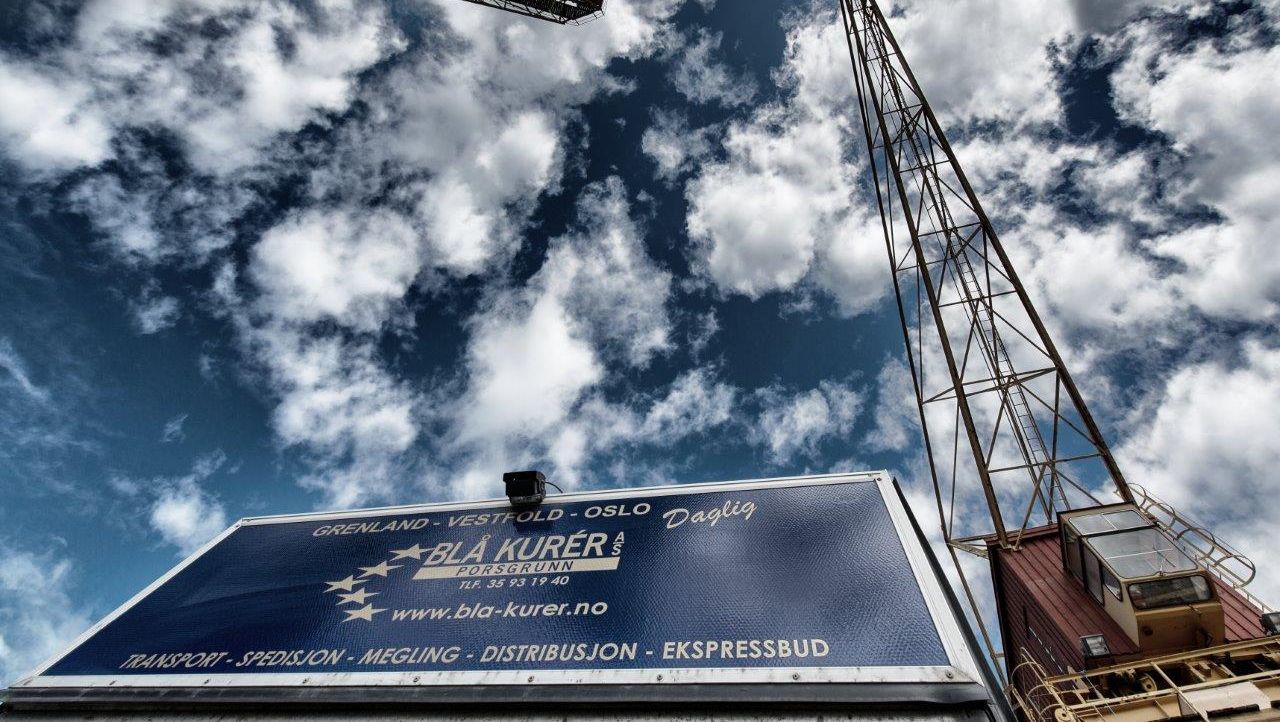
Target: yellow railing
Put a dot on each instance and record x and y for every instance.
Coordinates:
(1150, 689)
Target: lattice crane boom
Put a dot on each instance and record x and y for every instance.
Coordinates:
(988, 378)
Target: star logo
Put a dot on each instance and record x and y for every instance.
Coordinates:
(380, 570)
(366, 613)
(359, 596)
(413, 552)
(345, 585)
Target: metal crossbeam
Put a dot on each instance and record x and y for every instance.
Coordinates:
(564, 12)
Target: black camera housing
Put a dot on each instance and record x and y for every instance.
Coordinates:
(525, 488)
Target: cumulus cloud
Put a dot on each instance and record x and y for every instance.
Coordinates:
(1093, 279)
(597, 301)
(1007, 75)
(1206, 442)
(338, 403)
(783, 205)
(1208, 439)
(794, 424)
(337, 265)
(272, 69)
(468, 134)
(179, 508)
(897, 421)
(694, 403)
(48, 121)
(187, 517)
(701, 78)
(38, 615)
(1231, 269)
(674, 147)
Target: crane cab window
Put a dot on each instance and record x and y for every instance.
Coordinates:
(1093, 575)
(1141, 553)
(1170, 592)
(1105, 548)
(1102, 522)
(1109, 521)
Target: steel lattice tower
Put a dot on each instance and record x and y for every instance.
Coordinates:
(999, 411)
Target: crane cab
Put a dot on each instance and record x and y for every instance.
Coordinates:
(1158, 595)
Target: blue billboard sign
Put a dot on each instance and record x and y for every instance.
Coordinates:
(820, 578)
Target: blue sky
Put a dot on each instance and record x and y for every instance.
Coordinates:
(262, 258)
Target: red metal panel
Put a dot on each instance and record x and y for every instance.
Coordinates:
(1242, 618)
(1057, 608)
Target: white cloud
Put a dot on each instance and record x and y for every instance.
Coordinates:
(460, 135)
(1212, 438)
(337, 401)
(853, 265)
(796, 423)
(984, 59)
(16, 368)
(47, 121)
(346, 266)
(674, 147)
(38, 616)
(123, 216)
(1092, 279)
(1209, 443)
(700, 77)
(694, 403)
(783, 205)
(271, 70)
(753, 246)
(187, 517)
(468, 135)
(154, 313)
(147, 217)
(606, 278)
(173, 429)
(529, 367)
(536, 353)
(897, 420)
(1091, 275)
(1231, 269)
(181, 511)
(483, 116)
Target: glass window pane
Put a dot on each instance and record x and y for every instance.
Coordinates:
(1109, 521)
(1126, 519)
(1071, 549)
(1093, 576)
(1110, 582)
(1167, 592)
(1141, 553)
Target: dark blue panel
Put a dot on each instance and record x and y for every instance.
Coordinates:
(801, 576)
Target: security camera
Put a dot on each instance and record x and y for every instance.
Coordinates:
(525, 488)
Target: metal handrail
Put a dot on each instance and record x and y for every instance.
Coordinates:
(1047, 697)
(1230, 566)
